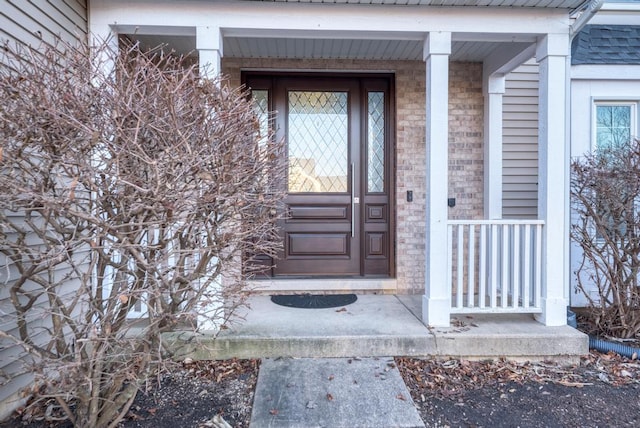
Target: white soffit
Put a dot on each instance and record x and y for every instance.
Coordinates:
(291, 48)
(240, 47)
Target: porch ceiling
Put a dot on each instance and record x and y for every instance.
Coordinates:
(306, 48)
(348, 49)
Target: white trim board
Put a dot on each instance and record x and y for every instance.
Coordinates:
(605, 72)
(325, 285)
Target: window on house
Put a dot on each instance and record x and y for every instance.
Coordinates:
(614, 124)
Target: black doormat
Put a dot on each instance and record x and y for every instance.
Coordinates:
(314, 301)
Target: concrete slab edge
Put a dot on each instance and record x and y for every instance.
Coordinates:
(477, 347)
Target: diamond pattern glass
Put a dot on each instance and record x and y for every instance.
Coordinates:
(318, 142)
(261, 106)
(375, 142)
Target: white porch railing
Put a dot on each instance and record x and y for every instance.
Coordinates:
(495, 265)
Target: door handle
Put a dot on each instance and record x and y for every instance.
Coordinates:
(354, 200)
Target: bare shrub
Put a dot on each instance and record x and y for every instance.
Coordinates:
(605, 191)
(127, 184)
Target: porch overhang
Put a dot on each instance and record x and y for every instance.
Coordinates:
(236, 43)
(255, 29)
(350, 30)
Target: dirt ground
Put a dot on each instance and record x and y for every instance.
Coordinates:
(602, 390)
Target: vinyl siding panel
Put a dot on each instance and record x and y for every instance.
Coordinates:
(520, 175)
(520, 143)
(11, 355)
(30, 22)
(520, 108)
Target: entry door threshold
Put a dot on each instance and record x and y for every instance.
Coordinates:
(325, 285)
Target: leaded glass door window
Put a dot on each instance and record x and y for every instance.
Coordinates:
(318, 141)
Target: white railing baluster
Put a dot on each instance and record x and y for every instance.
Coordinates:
(504, 280)
(482, 287)
(494, 265)
(526, 270)
(499, 258)
(471, 280)
(538, 278)
(460, 257)
(515, 275)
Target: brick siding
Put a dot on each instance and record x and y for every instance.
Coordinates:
(465, 145)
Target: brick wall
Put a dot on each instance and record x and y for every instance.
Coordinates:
(465, 145)
(466, 116)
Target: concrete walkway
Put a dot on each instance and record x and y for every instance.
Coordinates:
(332, 392)
(310, 377)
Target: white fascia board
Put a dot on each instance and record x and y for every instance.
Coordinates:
(494, 37)
(605, 72)
(332, 35)
(612, 13)
(156, 30)
(620, 7)
(280, 18)
(616, 18)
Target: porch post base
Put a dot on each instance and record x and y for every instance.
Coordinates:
(436, 312)
(554, 312)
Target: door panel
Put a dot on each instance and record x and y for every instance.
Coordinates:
(326, 244)
(337, 135)
(320, 124)
(316, 212)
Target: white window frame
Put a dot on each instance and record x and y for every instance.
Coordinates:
(604, 102)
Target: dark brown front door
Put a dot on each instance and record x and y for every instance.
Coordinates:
(338, 139)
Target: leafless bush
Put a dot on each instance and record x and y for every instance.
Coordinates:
(127, 184)
(605, 191)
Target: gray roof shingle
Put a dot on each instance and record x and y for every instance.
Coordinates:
(606, 44)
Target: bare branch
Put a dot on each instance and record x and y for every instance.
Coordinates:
(124, 191)
(605, 193)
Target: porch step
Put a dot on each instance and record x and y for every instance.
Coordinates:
(377, 326)
(325, 285)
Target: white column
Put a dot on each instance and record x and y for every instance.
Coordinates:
(209, 47)
(553, 188)
(493, 90)
(103, 42)
(436, 302)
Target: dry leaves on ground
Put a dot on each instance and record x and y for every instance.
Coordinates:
(199, 393)
(450, 378)
(220, 370)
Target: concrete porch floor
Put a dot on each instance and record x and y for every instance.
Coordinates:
(379, 325)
